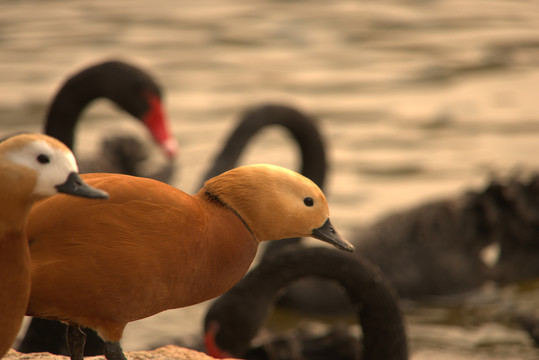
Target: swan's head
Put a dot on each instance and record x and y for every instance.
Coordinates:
(276, 203)
(140, 95)
(42, 166)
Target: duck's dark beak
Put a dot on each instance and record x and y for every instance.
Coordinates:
(74, 185)
(328, 234)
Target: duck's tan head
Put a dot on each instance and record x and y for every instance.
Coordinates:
(43, 166)
(276, 203)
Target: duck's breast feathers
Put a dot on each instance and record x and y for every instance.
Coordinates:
(273, 201)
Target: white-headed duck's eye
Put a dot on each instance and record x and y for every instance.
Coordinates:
(43, 159)
(308, 201)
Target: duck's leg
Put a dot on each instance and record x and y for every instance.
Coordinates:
(76, 339)
(113, 351)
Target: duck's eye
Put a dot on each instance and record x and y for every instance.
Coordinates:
(308, 201)
(43, 159)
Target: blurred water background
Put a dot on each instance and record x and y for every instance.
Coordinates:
(417, 100)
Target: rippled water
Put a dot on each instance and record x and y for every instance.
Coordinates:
(417, 100)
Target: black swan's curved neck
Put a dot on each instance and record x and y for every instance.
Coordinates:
(67, 107)
(302, 128)
(124, 84)
(384, 335)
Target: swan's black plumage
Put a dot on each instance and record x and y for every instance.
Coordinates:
(121, 83)
(234, 318)
(301, 127)
(435, 249)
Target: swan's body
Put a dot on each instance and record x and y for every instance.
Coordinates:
(32, 167)
(435, 249)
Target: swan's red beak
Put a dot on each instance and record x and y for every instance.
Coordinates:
(157, 122)
(210, 344)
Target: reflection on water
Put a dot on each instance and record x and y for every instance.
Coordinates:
(416, 99)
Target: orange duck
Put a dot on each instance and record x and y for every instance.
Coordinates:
(49, 336)
(32, 167)
(152, 247)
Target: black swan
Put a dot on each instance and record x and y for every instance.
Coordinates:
(435, 249)
(137, 93)
(132, 89)
(234, 318)
(300, 126)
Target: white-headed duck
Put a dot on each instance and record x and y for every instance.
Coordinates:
(32, 167)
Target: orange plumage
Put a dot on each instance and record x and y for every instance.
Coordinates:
(32, 167)
(87, 264)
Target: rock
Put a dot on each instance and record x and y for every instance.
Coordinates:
(170, 352)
